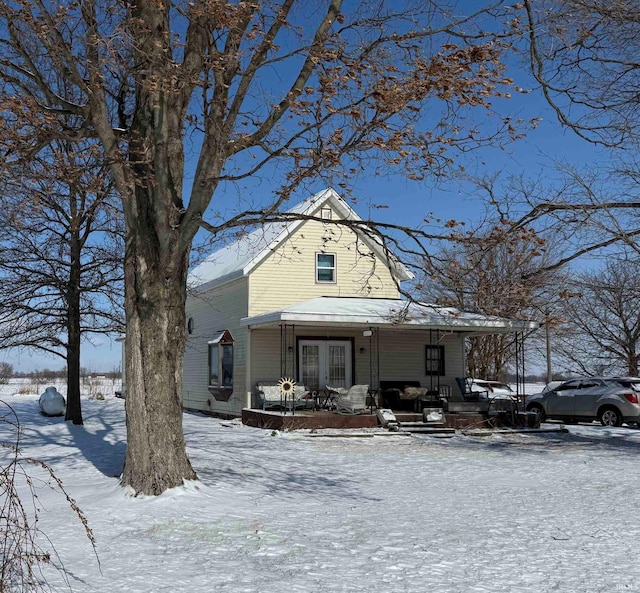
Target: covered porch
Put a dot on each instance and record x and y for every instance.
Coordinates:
(408, 356)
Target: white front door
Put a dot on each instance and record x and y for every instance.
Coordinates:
(325, 362)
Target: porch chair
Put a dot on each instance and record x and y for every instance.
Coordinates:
(352, 400)
(467, 393)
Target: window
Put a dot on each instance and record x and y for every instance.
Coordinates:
(325, 267)
(325, 213)
(434, 360)
(567, 386)
(221, 366)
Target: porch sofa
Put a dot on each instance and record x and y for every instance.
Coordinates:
(269, 397)
(407, 396)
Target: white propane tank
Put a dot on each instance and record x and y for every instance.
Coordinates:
(52, 402)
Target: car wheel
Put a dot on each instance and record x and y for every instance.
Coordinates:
(539, 411)
(610, 417)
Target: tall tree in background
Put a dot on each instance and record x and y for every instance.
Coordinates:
(584, 54)
(202, 95)
(61, 252)
(496, 272)
(602, 332)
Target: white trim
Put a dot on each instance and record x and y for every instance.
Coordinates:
(334, 268)
(337, 311)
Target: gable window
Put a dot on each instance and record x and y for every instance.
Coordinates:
(434, 360)
(221, 365)
(325, 267)
(325, 213)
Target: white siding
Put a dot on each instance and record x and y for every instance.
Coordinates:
(219, 309)
(265, 355)
(401, 354)
(289, 274)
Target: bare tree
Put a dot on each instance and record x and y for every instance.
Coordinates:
(61, 255)
(203, 95)
(602, 331)
(6, 372)
(584, 53)
(495, 272)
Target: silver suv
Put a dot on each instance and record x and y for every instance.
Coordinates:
(612, 400)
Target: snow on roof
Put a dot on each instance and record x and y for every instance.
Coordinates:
(386, 312)
(240, 257)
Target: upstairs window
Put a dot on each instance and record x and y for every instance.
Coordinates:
(325, 267)
(325, 213)
(221, 365)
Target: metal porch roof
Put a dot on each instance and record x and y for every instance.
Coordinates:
(400, 313)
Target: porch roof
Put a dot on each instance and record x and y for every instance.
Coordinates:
(399, 313)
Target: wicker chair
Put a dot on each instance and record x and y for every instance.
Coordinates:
(352, 400)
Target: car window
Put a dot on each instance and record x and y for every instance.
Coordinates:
(589, 384)
(567, 385)
(628, 384)
(551, 386)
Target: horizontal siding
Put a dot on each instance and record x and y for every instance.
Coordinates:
(213, 311)
(401, 354)
(265, 356)
(402, 357)
(288, 275)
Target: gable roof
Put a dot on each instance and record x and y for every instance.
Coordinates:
(239, 258)
(400, 313)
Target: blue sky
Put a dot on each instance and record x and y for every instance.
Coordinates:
(408, 202)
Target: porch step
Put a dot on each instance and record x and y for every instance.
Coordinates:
(421, 424)
(432, 428)
(468, 407)
(439, 431)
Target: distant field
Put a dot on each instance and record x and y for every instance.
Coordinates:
(89, 386)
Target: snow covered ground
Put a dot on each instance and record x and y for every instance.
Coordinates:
(276, 513)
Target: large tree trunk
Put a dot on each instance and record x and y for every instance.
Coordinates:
(155, 293)
(156, 264)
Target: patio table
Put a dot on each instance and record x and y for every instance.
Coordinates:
(324, 399)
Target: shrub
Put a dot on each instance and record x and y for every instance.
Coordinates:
(23, 555)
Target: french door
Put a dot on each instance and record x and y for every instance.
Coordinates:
(325, 362)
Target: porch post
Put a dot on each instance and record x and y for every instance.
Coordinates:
(287, 351)
(374, 363)
(248, 377)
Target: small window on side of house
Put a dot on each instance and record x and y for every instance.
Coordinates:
(434, 360)
(325, 213)
(325, 267)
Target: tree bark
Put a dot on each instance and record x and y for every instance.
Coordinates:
(74, 408)
(156, 268)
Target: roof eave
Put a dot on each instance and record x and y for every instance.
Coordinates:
(478, 327)
(226, 279)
